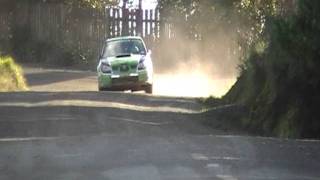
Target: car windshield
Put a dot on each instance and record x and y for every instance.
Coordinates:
(124, 47)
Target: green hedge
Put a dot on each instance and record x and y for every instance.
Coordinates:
(281, 84)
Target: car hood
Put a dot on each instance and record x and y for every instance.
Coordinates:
(132, 59)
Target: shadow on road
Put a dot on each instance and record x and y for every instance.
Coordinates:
(75, 113)
(49, 77)
(74, 121)
(115, 97)
(44, 141)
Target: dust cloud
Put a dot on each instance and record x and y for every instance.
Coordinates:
(191, 81)
(196, 68)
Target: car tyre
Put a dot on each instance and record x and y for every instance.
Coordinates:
(101, 89)
(149, 89)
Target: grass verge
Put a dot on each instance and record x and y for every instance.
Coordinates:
(11, 76)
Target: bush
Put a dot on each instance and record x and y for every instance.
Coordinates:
(11, 78)
(281, 85)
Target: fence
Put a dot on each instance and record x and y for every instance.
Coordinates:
(82, 29)
(91, 27)
(134, 22)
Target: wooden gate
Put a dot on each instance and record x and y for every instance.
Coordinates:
(134, 22)
(78, 29)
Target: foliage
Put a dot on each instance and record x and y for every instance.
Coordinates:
(211, 102)
(59, 45)
(194, 17)
(11, 78)
(210, 29)
(281, 84)
(207, 17)
(92, 3)
(73, 3)
(48, 53)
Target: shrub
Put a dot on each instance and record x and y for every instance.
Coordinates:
(281, 85)
(11, 78)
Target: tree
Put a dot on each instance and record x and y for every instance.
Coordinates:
(75, 3)
(92, 3)
(279, 82)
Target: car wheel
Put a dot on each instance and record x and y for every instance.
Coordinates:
(149, 89)
(101, 89)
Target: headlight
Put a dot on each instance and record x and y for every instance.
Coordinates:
(141, 65)
(106, 68)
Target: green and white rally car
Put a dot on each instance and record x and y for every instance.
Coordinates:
(125, 64)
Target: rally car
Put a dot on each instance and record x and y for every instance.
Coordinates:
(125, 64)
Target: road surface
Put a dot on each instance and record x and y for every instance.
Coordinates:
(86, 135)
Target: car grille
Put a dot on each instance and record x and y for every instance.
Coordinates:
(124, 67)
(134, 66)
(115, 67)
(125, 80)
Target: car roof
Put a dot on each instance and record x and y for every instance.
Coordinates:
(124, 38)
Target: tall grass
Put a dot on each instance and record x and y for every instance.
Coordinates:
(11, 76)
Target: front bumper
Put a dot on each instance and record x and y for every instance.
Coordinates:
(133, 81)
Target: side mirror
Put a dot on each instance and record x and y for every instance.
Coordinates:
(149, 52)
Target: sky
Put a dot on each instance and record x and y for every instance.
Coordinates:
(146, 4)
(149, 4)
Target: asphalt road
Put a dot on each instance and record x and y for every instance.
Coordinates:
(86, 135)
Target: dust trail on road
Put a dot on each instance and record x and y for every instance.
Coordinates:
(195, 84)
(197, 68)
(192, 80)
(189, 79)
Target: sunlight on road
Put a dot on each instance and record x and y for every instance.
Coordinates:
(194, 84)
(101, 104)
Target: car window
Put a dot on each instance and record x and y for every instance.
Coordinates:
(123, 47)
